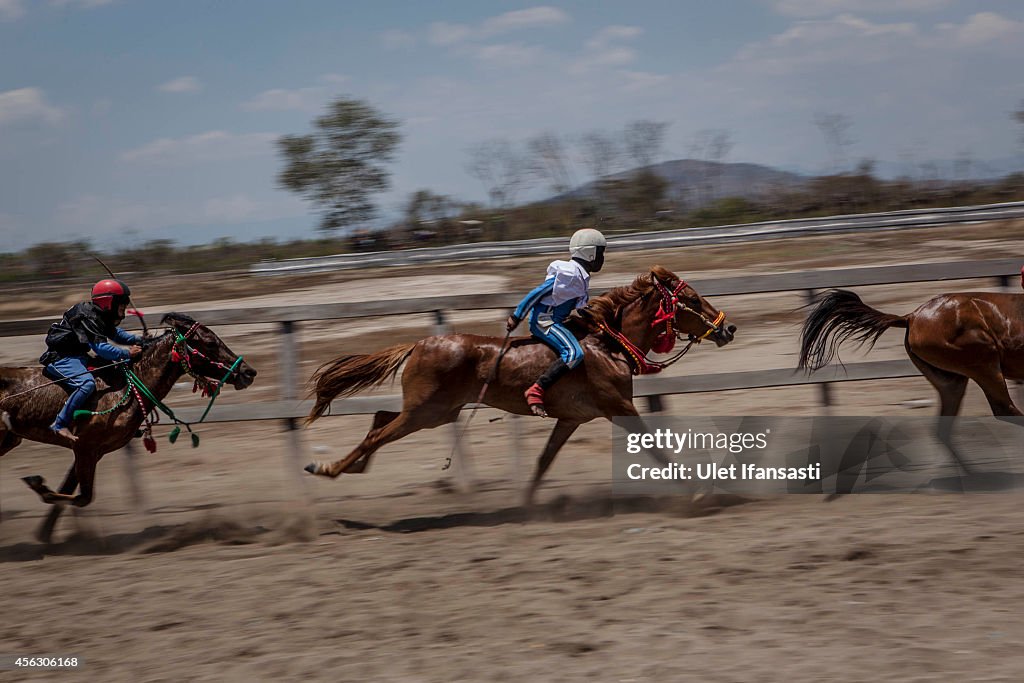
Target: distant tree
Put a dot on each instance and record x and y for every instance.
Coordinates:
(342, 164)
(502, 170)
(644, 141)
(641, 195)
(1019, 117)
(551, 161)
(599, 152)
(835, 129)
(711, 146)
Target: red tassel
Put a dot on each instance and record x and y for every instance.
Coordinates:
(195, 386)
(150, 443)
(175, 356)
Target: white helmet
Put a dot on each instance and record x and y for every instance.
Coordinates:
(584, 244)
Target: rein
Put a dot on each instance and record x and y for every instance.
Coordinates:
(181, 353)
(670, 304)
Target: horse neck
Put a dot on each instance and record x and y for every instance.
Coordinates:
(155, 369)
(636, 322)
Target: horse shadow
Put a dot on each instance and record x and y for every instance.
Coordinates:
(560, 510)
(152, 539)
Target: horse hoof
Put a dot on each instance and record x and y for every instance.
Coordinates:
(34, 482)
(311, 468)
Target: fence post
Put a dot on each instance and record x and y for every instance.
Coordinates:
(824, 388)
(1003, 283)
(441, 325)
(131, 472)
(515, 435)
(289, 392)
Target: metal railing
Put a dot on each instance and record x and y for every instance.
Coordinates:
(800, 227)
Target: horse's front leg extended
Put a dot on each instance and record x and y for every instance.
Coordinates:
(45, 532)
(559, 435)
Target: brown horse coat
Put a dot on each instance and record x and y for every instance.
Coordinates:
(27, 411)
(951, 338)
(444, 373)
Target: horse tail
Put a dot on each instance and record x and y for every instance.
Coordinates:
(840, 315)
(348, 375)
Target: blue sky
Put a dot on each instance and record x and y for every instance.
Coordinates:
(128, 120)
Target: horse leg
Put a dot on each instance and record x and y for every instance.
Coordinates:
(45, 532)
(994, 385)
(951, 388)
(380, 420)
(84, 471)
(405, 423)
(8, 441)
(559, 435)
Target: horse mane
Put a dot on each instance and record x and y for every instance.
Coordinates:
(176, 319)
(607, 307)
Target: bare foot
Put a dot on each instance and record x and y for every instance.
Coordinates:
(538, 410)
(66, 433)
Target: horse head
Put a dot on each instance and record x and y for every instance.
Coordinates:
(690, 313)
(203, 354)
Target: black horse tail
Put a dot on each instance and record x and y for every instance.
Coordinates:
(840, 315)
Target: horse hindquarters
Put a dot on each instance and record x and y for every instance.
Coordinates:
(945, 346)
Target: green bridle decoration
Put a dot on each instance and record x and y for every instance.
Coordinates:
(139, 388)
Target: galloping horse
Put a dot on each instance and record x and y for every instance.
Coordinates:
(25, 412)
(951, 338)
(444, 373)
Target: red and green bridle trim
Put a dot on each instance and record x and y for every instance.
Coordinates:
(184, 354)
(181, 353)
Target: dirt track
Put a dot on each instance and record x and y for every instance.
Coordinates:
(397, 575)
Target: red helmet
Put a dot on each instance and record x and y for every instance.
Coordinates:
(109, 294)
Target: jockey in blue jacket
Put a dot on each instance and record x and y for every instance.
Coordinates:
(88, 326)
(565, 289)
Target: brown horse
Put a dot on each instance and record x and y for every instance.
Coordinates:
(444, 373)
(29, 401)
(951, 338)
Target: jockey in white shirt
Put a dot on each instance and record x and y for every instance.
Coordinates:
(565, 288)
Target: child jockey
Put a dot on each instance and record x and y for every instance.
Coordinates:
(565, 289)
(88, 326)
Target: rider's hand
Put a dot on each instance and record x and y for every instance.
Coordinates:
(511, 323)
(135, 351)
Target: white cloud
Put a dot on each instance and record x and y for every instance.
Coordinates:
(847, 40)
(85, 4)
(309, 99)
(27, 104)
(642, 80)
(110, 214)
(524, 18)
(821, 8)
(611, 34)
(215, 145)
(396, 39)
(987, 28)
(602, 50)
(444, 34)
(182, 84)
(335, 79)
(510, 54)
(11, 10)
(283, 99)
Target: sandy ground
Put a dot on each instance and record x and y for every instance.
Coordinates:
(237, 566)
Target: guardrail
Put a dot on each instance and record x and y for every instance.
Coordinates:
(891, 220)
